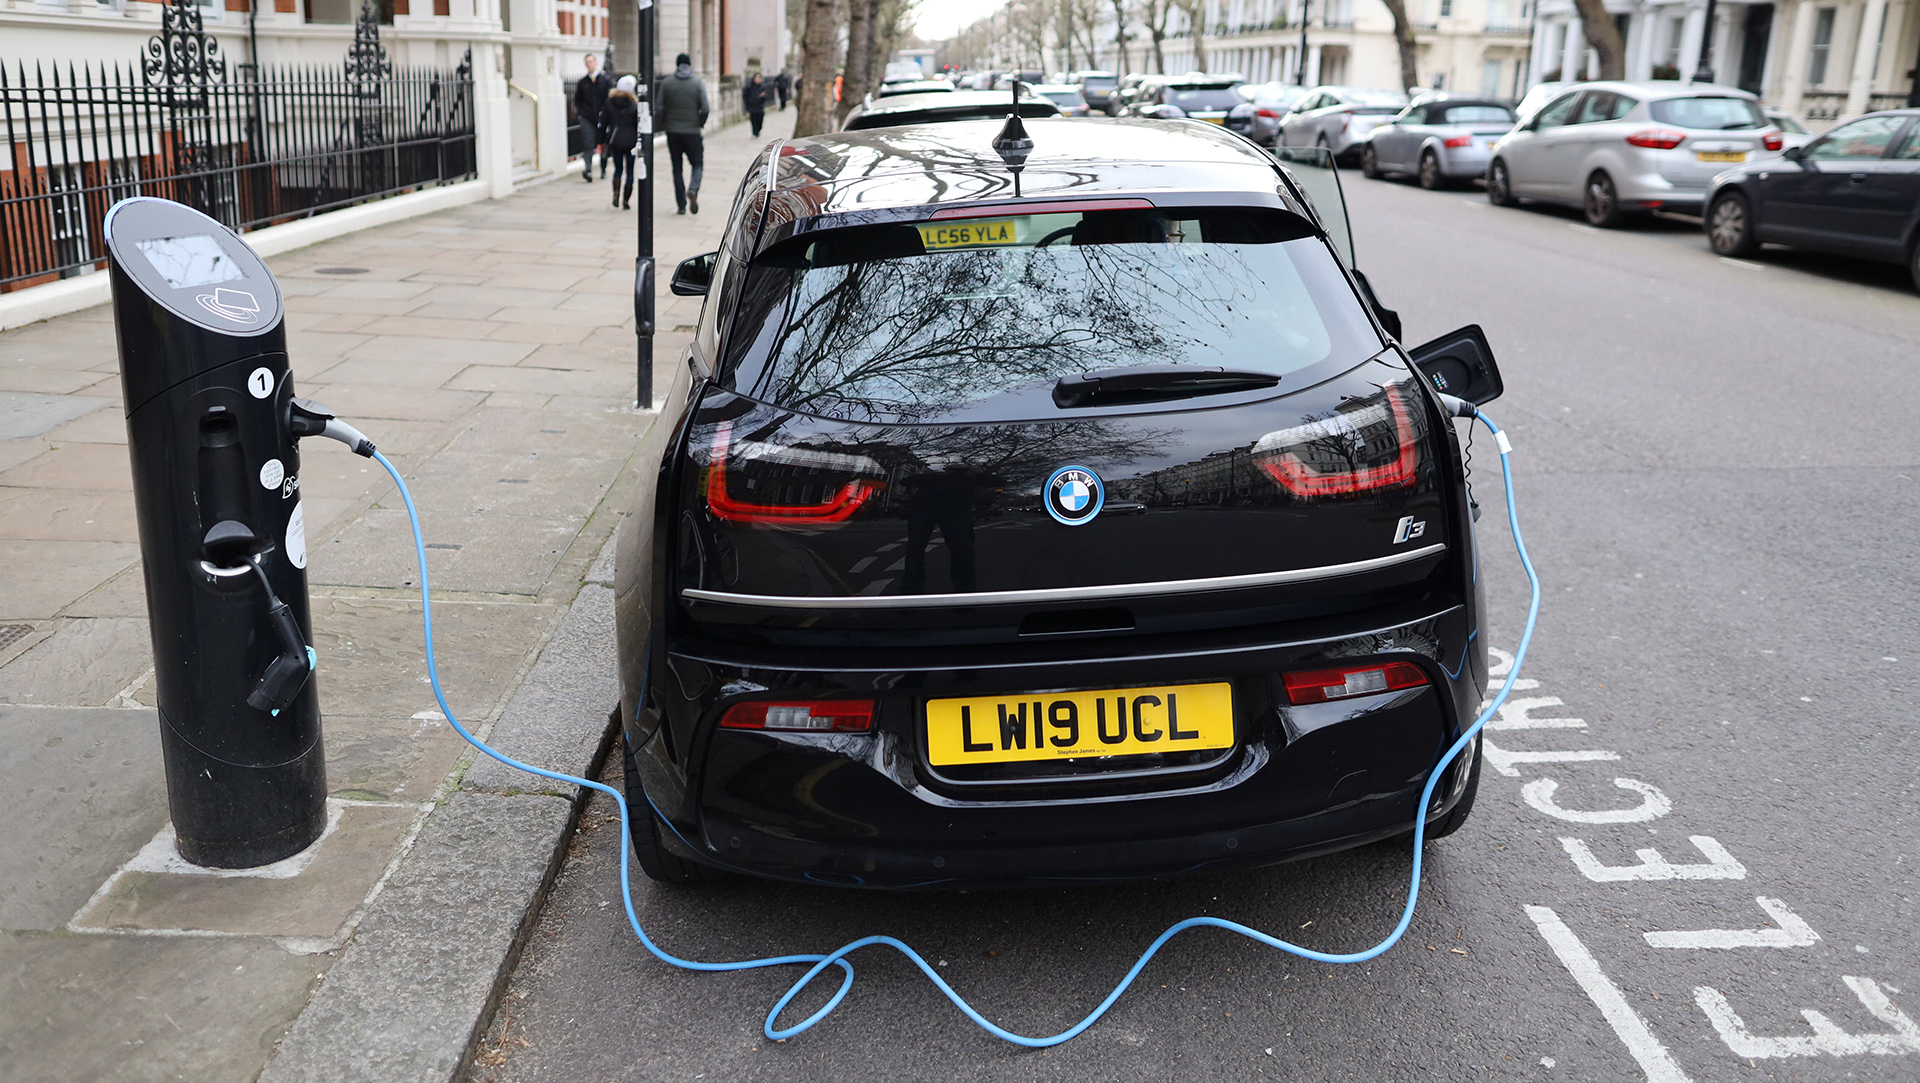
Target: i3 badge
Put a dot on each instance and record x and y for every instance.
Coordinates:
(1074, 495)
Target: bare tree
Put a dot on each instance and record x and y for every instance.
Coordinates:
(813, 114)
(1155, 16)
(1604, 35)
(1121, 11)
(1403, 37)
(1196, 12)
(856, 74)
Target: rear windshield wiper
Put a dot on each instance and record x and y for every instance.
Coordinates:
(1154, 383)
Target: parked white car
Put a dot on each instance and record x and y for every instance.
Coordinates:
(1339, 118)
(1617, 148)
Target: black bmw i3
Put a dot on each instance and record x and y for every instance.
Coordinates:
(1091, 529)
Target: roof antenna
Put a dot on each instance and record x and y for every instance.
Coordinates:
(1013, 144)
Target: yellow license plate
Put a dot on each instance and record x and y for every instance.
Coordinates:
(1721, 155)
(1067, 725)
(998, 231)
(1213, 120)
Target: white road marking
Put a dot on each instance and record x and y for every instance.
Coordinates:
(1827, 1038)
(875, 587)
(861, 565)
(1720, 864)
(897, 565)
(1476, 203)
(1792, 933)
(1627, 1024)
(1513, 715)
(1503, 761)
(1749, 265)
(1653, 803)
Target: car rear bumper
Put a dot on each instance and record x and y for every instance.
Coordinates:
(868, 809)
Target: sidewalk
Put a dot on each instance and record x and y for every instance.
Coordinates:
(489, 351)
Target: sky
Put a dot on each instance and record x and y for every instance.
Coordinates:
(944, 18)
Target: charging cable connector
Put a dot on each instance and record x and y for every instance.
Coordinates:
(308, 418)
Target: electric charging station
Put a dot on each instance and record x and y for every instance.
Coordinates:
(212, 427)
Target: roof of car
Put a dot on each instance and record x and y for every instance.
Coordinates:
(847, 172)
(938, 99)
(1662, 88)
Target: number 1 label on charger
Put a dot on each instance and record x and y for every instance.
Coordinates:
(260, 384)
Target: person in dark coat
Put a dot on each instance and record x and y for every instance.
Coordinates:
(680, 110)
(589, 98)
(622, 119)
(783, 86)
(753, 97)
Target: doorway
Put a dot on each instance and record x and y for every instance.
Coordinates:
(1753, 47)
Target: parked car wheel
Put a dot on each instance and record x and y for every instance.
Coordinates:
(1913, 263)
(1430, 177)
(643, 828)
(1500, 185)
(1602, 202)
(1370, 164)
(1448, 824)
(1730, 226)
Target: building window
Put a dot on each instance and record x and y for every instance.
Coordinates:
(1822, 43)
(1446, 9)
(1490, 76)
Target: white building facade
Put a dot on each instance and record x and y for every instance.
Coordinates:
(1820, 60)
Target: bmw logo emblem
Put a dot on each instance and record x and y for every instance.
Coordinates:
(1075, 495)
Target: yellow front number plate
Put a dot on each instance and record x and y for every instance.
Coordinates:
(999, 231)
(1062, 725)
(1722, 155)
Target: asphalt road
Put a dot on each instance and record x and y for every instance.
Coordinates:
(1717, 466)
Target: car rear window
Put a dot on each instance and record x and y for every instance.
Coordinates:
(1374, 110)
(1099, 82)
(1713, 114)
(1476, 114)
(1064, 97)
(929, 320)
(1202, 98)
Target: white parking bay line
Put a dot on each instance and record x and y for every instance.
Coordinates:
(1748, 264)
(1475, 203)
(1633, 1030)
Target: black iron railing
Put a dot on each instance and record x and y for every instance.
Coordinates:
(250, 148)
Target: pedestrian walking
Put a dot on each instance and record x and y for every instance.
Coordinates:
(680, 110)
(753, 97)
(783, 86)
(589, 98)
(622, 117)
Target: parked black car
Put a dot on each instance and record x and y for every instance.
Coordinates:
(1854, 191)
(942, 577)
(941, 107)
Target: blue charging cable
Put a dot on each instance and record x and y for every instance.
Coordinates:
(837, 957)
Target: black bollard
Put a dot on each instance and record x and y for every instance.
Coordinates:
(216, 486)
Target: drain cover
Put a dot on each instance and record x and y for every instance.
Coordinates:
(13, 633)
(341, 271)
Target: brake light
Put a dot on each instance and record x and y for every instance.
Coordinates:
(1459, 141)
(1371, 447)
(1773, 140)
(802, 478)
(1321, 685)
(818, 716)
(1345, 119)
(1658, 138)
(1270, 114)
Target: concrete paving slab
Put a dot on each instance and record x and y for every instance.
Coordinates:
(451, 920)
(339, 873)
(541, 381)
(85, 791)
(45, 380)
(74, 466)
(539, 332)
(124, 595)
(40, 578)
(378, 403)
(23, 414)
(85, 663)
(406, 349)
(415, 372)
(120, 1009)
(558, 719)
(391, 759)
(372, 665)
(595, 434)
(106, 425)
(497, 554)
(68, 514)
(424, 327)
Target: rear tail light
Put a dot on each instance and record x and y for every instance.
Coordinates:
(1459, 141)
(1658, 138)
(1773, 140)
(818, 716)
(781, 483)
(1374, 445)
(1270, 114)
(1321, 685)
(1345, 119)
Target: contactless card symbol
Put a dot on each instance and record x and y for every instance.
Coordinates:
(1074, 495)
(236, 305)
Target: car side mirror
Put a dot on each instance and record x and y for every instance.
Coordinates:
(1794, 154)
(1460, 363)
(694, 276)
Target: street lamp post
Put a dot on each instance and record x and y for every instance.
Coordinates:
(1300, 62)
(643, 307)
(1703, 71)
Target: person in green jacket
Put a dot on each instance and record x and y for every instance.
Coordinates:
(680, 108)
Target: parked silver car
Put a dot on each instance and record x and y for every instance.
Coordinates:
(1615, 148)
(1258, 118)
(1441, 142)
(1338, 118)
